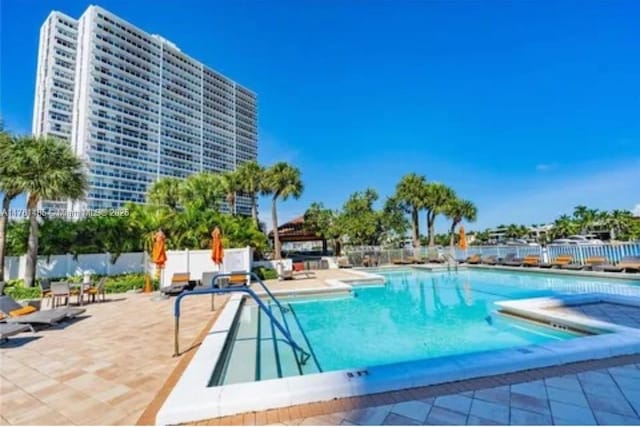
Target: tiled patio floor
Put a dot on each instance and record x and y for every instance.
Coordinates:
(104, 368)
(606, 396)
(620, 314)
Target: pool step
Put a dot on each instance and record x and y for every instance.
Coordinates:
(241, 366)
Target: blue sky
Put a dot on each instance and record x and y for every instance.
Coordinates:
(525, 108)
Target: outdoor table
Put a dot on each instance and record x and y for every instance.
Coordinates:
(82, 287)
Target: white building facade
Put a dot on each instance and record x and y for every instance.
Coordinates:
(136, 108)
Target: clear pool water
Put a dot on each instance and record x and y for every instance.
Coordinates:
(414, 315)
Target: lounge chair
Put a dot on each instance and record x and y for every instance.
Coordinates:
(512, 261)
(531, 261)
(474, 259)
(589, 264)
(16, 313)
(10, 329)
(434, 259)
(627, 264)
(559, 261)
(179, 283)
(490, 260)
(399, 261)
(369, 261)
(414, 260)
(343, 262)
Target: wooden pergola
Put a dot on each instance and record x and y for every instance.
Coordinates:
(295, 231)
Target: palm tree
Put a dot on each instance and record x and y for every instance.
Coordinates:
(202, 190)
(458, 210)
(48, 170)
(564, 226)
(230, 186)
(436, 198)
(281, 181)
(8, 187)
(410, 191)
(585, 217)
(251, 175)
(513, 231)
(165, 191)
(619, 222)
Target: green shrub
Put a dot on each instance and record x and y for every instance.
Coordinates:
(16, 290)
(127, 282)
(265, 273)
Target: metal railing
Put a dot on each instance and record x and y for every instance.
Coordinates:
(304, 355)
(613, 252)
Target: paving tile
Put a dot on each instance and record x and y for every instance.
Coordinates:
(567, 396)
(368, 416)
(413, 409)
(491, 411)
(522, 417)
(441, 416)
(529, 403)
(455, 402)
(612, 405)
(567, 382)
(571, 413)
(608, 418)
(477, 421)
(398, 420)
(532, 388)
(496, 394)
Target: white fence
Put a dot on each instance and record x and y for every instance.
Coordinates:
(580, 253)
(194, 262)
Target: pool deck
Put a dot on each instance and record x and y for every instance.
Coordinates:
(114, 366)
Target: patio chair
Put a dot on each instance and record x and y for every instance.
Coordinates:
(60, 290)
(630, 263)
(98, 290)
(10, 329)
(343, 262)
(512, 261)
(490, 260)
(45, 291)
(179, 283)
(559, 261)
(16, 313)
(531, 261)
(588, 264)
(474, 259)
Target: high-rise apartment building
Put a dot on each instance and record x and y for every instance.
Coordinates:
(136, 108)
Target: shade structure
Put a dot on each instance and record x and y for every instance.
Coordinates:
(159, 252)
(463, 238)
(216, 246)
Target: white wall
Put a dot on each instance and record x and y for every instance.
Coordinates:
(197, 262)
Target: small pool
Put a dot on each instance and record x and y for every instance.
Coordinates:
(414, 315)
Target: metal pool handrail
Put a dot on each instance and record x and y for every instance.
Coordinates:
(304, 355)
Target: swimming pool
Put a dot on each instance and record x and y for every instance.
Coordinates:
(414, 315)
(394, 330)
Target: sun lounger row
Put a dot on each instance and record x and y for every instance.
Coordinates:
(416, 260)
(597, 263)
(16, 318)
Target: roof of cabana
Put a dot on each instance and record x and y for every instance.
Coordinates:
(294, 231)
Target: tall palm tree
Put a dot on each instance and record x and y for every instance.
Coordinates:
(49, 169)
(585, 218)
(202, 190)
(513, 231)
(251, 175)
(8, 187)
(436, 198)
(281, 181)
(230, 186)
(458, 210)
(165, 191)
(410, 191)
(619, 222)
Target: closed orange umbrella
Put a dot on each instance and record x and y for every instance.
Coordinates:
(463, 239)
(159, 252)
(216, 246)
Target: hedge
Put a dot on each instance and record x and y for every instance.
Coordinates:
(265, 273)
(115, 284)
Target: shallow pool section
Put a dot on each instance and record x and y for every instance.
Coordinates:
(414, 315)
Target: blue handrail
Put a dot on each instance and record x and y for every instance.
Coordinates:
(243, 289)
